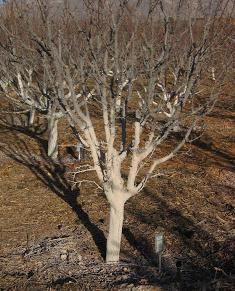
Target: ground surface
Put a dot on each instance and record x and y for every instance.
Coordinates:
(53, 238)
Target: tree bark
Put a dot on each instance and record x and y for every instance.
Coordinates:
(115, 233)
(31, 116)
(52, 150)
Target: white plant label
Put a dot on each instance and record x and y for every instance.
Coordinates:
(159, 243)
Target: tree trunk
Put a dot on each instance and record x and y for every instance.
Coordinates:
(52, 150)
(115, 231)
(31, 116)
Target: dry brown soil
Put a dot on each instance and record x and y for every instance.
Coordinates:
(53, 238)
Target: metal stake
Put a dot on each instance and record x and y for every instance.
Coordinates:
(159, 246)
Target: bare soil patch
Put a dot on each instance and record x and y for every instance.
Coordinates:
(53, 238)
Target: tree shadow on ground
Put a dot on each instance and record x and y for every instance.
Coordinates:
(215, 156)
(197, 252)
(51, 173)
(192, 237)
(221, 157)
(222, 116)
(8, 122)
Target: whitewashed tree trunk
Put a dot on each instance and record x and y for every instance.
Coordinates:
(52, 150)
(117, 203)
(115, 234)
(32, 116)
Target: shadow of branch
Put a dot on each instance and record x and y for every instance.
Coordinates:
(52, 175)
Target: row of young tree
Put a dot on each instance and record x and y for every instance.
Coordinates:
(146, 68)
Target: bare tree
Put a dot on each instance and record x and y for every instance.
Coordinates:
(23, 48)
(146, 72)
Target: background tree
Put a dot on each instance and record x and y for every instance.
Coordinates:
(23, 45)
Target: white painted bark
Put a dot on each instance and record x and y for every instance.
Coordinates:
(115, 231)
(52, 150)
(117, 199)
(32, 116)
